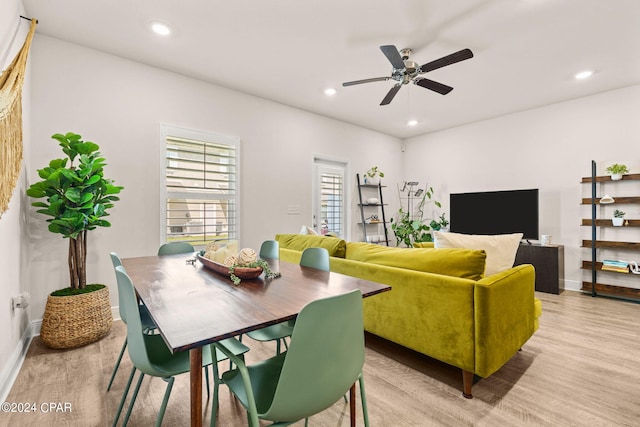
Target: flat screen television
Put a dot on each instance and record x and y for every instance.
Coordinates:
(495, 212)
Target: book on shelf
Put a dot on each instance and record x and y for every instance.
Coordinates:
(617, 266)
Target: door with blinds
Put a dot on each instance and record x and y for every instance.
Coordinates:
(329, 213)
(200, 187)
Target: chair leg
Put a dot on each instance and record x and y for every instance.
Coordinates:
(124, 397)
(216, 383)
(165, 400)
(133, 400)
(363, 397)
(206, 377)
(115, 368)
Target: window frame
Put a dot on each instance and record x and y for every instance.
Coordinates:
(167, 131)
(320, 162)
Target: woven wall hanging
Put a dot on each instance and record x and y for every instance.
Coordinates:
(11, 81)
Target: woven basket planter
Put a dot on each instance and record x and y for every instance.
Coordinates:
(77, 320)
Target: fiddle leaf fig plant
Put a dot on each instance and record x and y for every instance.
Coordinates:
(78, 197)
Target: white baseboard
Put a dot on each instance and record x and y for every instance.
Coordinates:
(10, 370)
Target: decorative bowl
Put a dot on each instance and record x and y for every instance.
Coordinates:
(244, 273)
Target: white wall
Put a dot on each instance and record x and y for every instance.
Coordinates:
(13, 245)
(549, 148)
(120, 105)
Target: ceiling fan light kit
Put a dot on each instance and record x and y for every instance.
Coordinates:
(406, 71)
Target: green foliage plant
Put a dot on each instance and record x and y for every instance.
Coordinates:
(77, 198)
(372, 172)
(616, 169)
(440, 223)
(618, 214)
(408, 228)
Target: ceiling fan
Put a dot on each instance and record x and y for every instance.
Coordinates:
(405, 71)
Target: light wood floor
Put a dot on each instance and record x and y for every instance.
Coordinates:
(581, 368)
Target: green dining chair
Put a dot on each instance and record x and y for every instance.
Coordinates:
(325, 358)
(315, 258)
(148, 326)
(270, 249)
(150, 355)
(173, 248)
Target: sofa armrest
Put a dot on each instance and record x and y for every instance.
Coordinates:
(426, 312)
(504, 316)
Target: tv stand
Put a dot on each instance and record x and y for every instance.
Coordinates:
(549, 264)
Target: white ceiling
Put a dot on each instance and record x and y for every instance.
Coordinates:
(526, 51)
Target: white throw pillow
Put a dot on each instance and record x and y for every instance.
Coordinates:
(308, 230)
(500, 248)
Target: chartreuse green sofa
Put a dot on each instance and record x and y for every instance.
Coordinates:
(440, 303)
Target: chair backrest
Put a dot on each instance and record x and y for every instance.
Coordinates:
(315, 258)
(135, 340)
(325, 358)
(176, 248)
(115, 260)
(270, 249)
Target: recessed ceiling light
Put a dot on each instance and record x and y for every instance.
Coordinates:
(330, 91)
(160, 28)
(412, 123)
(583, 74)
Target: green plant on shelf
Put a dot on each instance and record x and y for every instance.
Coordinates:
(617, 169)
(374, 171)
(618, 214)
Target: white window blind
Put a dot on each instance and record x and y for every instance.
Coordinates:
(329, 211)
(332, 203)
(201, 188)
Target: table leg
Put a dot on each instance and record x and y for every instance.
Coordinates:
(352, 404)
(195, 356)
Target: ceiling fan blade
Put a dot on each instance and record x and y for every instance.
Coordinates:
(461, 55)
(434, 86)
(387, 99)
(393, 56)
(357, 82)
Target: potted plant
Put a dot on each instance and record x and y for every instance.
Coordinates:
(440, 224)
(409, 228)
(77, 199)
(618, 218)
(616, 171)
(373, 175)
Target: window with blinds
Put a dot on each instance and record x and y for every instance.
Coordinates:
(329, 202)
(201, 186)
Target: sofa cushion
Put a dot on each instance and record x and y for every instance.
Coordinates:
(424, 245)
(335, 246)
(463, 263)
(501, 248)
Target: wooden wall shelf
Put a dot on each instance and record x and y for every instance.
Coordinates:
(619, 200)
(614, 291)
(604, 244)
(608, 223)
(607, 178)
(595, 263)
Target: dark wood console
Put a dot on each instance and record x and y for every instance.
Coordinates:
(549, 264)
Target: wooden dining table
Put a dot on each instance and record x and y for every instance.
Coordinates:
(194, 306)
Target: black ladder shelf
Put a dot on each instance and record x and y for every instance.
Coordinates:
(366, 212)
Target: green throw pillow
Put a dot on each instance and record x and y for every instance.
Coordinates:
(463, 263)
